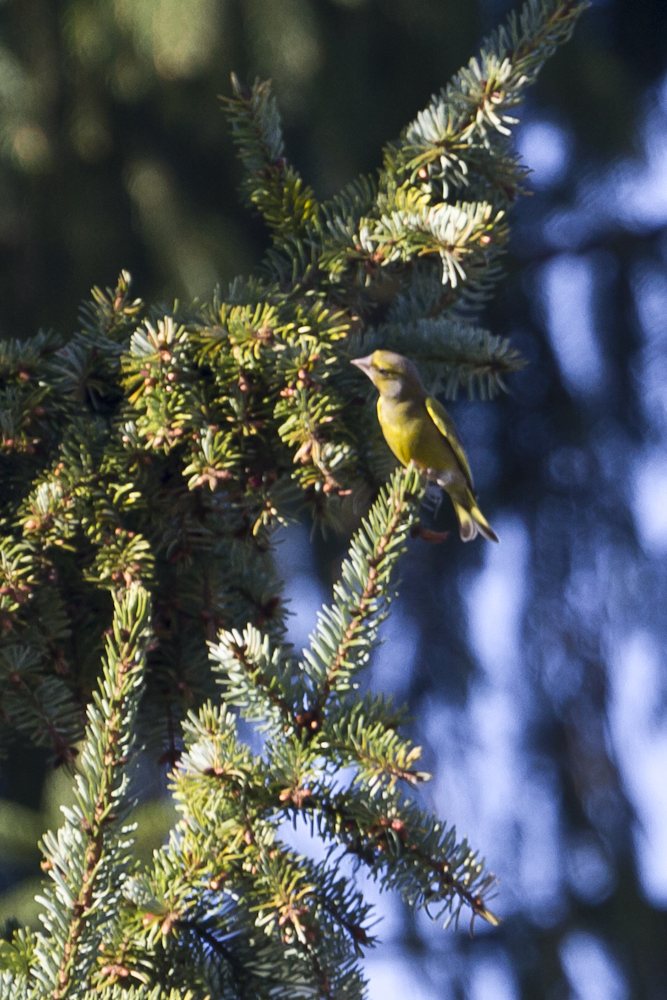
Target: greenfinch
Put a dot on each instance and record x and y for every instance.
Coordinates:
(418, 429)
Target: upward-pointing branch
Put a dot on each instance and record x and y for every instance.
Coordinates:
(87, 858)
(347, 631)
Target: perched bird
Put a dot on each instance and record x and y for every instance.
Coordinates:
(417, 428)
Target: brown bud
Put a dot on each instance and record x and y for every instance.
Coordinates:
(115, 970)
(422, 173)
(399, 827)
(304, 452)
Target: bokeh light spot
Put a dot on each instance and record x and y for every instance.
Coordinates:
(179, 38)
(640, 741)
(650, 500)
(491, 979)
(592, 971)
(32, 148)
(567, 284)
(545, 148)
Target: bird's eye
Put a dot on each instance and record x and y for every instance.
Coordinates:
(382, 371)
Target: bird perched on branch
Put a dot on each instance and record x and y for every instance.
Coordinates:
(417, 428)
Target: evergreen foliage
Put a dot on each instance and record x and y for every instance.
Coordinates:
(155, 451)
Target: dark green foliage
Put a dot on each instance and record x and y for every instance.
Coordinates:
(154, 451)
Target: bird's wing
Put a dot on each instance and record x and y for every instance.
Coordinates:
(445, 425)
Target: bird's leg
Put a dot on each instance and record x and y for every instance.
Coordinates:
(433, 499)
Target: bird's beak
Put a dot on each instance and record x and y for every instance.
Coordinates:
(364, 363)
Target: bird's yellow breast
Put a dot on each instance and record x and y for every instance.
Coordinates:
(412, 435)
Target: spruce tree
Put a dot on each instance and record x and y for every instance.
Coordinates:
(147, 460)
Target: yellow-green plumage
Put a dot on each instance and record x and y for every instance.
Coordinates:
(418, 429)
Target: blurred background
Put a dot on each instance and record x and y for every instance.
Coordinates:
(535, 669)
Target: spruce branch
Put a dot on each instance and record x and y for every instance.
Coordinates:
(255, 677)
(347, 631)
(408, 850)
(111, 313)
(41, 707)
(372, 745)
(453, 354)
(88, 856)
(273, 185)
(14, 986)
(449, 179)
(472, 109)
(25, 393)
(225, 872)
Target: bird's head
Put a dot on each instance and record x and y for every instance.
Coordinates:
(391, 373)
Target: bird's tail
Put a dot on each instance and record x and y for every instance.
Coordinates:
(472, 522)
